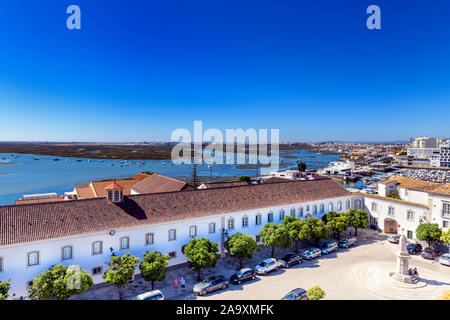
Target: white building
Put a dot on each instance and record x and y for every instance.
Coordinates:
(421, 202)
(444, 159)
(33, 237)
(338, 168)
(425, 142)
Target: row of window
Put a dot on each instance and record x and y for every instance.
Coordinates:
(410, 215)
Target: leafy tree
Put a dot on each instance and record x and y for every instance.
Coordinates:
(60, 282)
(358, 219)
(301, 166)
(121, 270)
(338, 224)
(317, 228)
(298, 229)
(329, 216)
(315, 293)
(445, 237)
(244, 178)
(241, 246)
(4, 288)
(275, 236)
(201, 253)
(428, 232)
(147, 172)
(153, 267)
(394, 195)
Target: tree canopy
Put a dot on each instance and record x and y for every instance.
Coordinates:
(4, 288)
(394, 195)
(275, 236)
(315, 293)
(244, 178)
(445, 237)
(428, 232)
(201, 253)
(241, 246)
(338, 224)
(121, 270)
(358, 219)
(153, 267)
(317, 228)
(301, 166)
(60, 282)
(298, 229)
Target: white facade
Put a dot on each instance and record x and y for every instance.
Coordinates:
(337, 167)
(15, 257)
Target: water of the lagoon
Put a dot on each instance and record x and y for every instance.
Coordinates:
(28, 176)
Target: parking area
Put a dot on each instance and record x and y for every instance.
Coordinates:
(360, 272)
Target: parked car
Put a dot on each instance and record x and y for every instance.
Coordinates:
(296, 294)
(345, 243)
(242, 275)
(266, 266)
(151, 295)
(414, 248)
(328, 247)
(394, 238)
(445, 259)
(289, 260)
(428, 253)
(311, 253)
(210, 284)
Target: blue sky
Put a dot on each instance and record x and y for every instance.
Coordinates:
(137, 70)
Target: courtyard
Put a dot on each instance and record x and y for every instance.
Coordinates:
(360, 272)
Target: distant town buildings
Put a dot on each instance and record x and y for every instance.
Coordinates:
(426, 152)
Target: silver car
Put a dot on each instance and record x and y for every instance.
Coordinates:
(328, 247)
(211, 284)
(445, 259)
(311, 253)
(266, 266)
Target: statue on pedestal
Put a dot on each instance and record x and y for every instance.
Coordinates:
(403, 257)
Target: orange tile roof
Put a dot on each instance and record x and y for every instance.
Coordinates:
(85, 192)
(420, 185)
(140, 176)
(158, 183)
(42, 200)
(113, 186)
(390, 199)
(125, 184)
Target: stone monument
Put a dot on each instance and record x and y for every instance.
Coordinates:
(402, 272)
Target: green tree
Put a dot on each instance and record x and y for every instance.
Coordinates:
(201, 253)
(153, 267)
(244, 178)
(4, 288)
(298, 229)
(358, 219)
(394, 195)
(445, 237)
(60, 282)
(317, 228)
(147, 172)
(329, 216)
(338, 224)
(275, 236)
(301, 166)
(121, 270)
(315, 293)
(428, 232)
(241, 246)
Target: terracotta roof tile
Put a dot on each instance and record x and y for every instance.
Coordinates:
(157, 183)
(85, 192)
(420, 185)
(390, 199)
(33, 222)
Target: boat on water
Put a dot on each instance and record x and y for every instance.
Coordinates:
(56, 159)
(33, 158)
(79, 160)
(67, 160)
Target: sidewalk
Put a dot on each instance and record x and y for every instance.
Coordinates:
(226, 267)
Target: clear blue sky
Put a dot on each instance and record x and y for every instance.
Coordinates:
(137, 70)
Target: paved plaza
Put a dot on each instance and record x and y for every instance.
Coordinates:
(361, 272)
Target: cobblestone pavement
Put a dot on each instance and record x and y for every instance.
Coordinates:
(356, 273)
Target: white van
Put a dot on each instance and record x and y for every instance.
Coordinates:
(151, 295)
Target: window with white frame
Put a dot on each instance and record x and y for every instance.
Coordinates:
(33, 258)
(172, 254)
(172, 234)
(300, 212)
(444, 225)
(212, 228)
(149, 238)
(391, 212)
(322, 208)
(410, 215)
(258, 219)
(244, 222)
(357, 204)
(330, 206)
(97, 247)
(307, 208)
(315, 209)
(281, 215)
(339, 207)
(406, 192)
(67, 253)
(292, 212)
(374, 206)
(446, 208)
(192, 231)
(347, 203)
(124, 243)
(231, 224)
(257, 238)
(270, 217)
